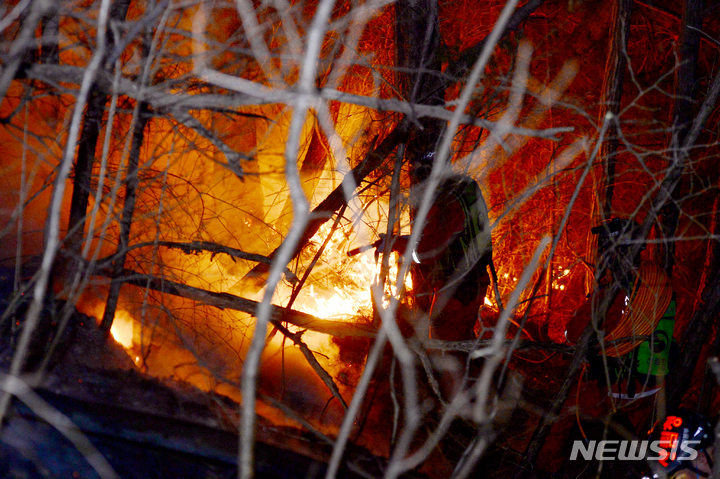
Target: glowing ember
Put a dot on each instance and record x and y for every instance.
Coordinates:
(562, 273)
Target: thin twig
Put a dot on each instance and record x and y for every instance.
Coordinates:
(310, 357)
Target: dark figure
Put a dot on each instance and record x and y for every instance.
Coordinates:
(450, 261)
(450, 278)
(631, 355)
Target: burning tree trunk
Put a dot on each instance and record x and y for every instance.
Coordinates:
(131, 184)
(92, 123)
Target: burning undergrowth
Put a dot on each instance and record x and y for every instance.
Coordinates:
(186, 237)
(170, 337)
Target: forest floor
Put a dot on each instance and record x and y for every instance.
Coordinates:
(144, 426)
(151, 427)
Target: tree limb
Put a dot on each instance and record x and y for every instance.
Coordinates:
(195, 247)
(336, 199)
(310, 357)
(229, 301)
(468, 56)
(163, 100)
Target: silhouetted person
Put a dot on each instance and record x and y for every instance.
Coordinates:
(625, 370)
(449, 270)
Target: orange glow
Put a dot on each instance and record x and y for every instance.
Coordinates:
(122, 329)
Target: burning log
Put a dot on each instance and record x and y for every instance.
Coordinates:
(230, 301)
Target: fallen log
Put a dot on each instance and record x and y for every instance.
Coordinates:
(307, 321)
(230, 301)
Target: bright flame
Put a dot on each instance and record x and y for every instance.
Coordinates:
(340, 303)
(348, 295)
(122, 329)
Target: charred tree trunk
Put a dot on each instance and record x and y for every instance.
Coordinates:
(86, 153)
(417, 39)
(685, 92)
(419, 77)
(131, 184)
(612, 94)
(83, 170)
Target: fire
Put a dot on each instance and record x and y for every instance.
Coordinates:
(122, 329)
(339, 304)
(339, 288)
(561, 273)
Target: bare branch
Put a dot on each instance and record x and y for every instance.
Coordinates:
(229, 301)
(310, 357)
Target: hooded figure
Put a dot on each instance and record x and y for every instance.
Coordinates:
(450, 261)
